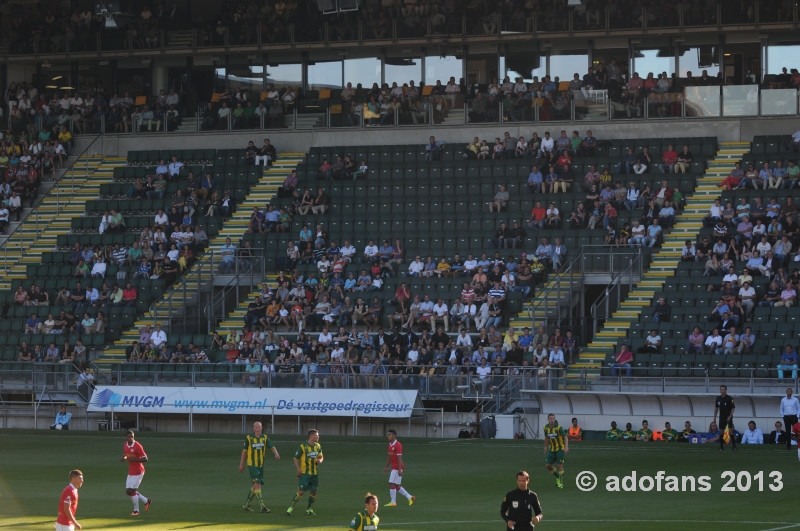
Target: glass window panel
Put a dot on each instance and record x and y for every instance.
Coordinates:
(695, 59)
(364, 71)
(565, 64)
(403, 70)
(780, 57)
(285, 75)
(655, 60)
(591, 105)
(779, 102)
(325, 75)
(442, 69)
(219, 78)
(525, 66)
(740, 100)
(249, 77)
(702, 101)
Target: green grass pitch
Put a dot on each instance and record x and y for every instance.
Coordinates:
(459, 484)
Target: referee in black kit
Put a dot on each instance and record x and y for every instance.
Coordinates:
(724, 406)
(521, 507)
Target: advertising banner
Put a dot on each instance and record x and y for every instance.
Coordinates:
(320, 402)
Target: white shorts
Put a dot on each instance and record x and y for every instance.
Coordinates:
(133, 482)
(395, 477)
(63, 527)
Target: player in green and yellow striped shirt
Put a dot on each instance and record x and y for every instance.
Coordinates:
(366, 519)
(253, 452)
(556, 445)
(306, 460)
(669, 435)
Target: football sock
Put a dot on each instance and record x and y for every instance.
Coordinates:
(142, 498)
(259, 498)
(555, 473)
(250, 496)
(135, 500)
(404, 492)
(311, 500)
(295, 499)
(393, 494)
(561, 475)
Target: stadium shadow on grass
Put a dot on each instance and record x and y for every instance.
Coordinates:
(195, 484)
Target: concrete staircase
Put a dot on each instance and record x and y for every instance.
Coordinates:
(260, 195)
(38, 234)
(665, 262)
(545, 302)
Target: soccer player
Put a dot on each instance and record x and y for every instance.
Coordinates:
(628, 435)
(687, 431)
(725, 407)
(669, 435)
(254, 450)
(556, 445)
(306, 460)
(396, 460)
(645, 434)
(613, 434)
(795, 434)
(575, 432)
(133, 453)
(521, 509)
(68, 505)
(366, 520)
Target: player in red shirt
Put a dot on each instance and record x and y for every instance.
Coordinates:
(133, 453)
(68, 505)
(795, 434)
(396, 460)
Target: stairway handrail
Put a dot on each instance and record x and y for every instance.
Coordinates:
(616, 283)
(59, 206)
(540, 299)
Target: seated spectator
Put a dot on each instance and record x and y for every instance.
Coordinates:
(62, 420)
(623, 359)
(500, 201)
(645, 434)
(669, 434)
(652, 343)
(752, 435)
(777, 436)
(662, 311)
(788, 362)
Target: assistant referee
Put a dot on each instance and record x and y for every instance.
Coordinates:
(725, 407)
(520, 508)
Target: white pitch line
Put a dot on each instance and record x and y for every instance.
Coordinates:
(785, 527)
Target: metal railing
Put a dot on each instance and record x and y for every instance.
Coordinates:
(230, 296)
(358, 32)
(629, 276)
(622, 264)
(562, 283)
(575, 107)
(37, 377)
(198, 285)
(59, 190)
(430, 381)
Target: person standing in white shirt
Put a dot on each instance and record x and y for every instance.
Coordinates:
(790, 411)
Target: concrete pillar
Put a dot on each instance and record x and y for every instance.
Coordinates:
(159, 79)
